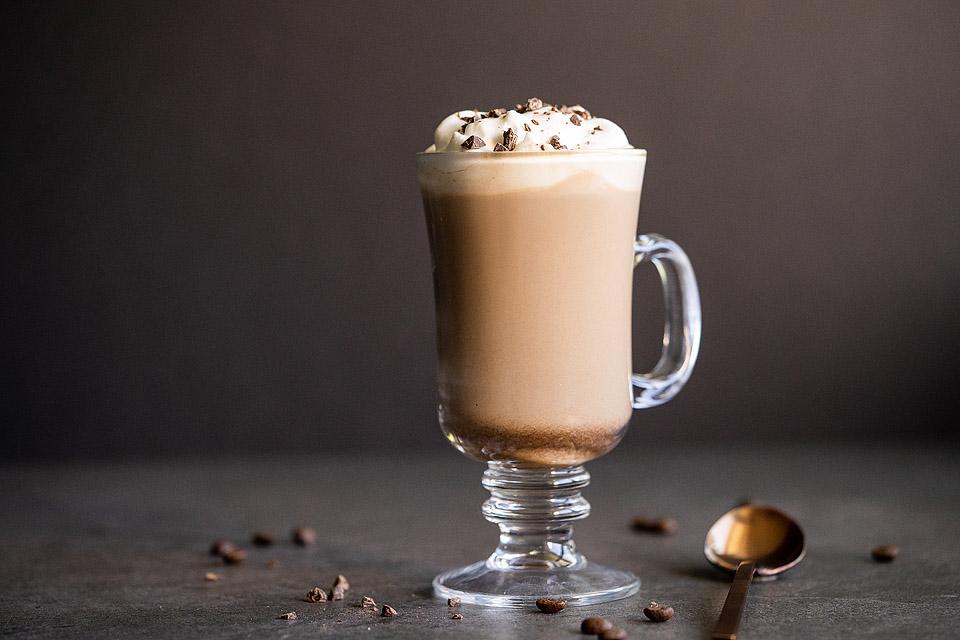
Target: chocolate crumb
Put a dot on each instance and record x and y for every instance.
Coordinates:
(262, 539)
(542, 148)
(304, 536)
(510, 139)
(457, 616)
(500, 147)
(236, 556)
(388, 611)
(597, 128)
(212, 577)
(658, 612)
(496, 113)
(316, 595)
(453, 602)
(287, 616)
(575, 119)
(555, 143)
(221, 547)
(534, 103)
(526, 127)
(368, 603)
(551, 605)
(473, 142)
(534, 122)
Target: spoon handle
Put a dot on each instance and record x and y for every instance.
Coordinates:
(726, 628)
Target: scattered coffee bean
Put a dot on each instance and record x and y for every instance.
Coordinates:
(221, 547)
(658, 612)
(261, 539)
(457, 616)
(341, 581)
(388, 611)
(662, 526)
(453, 602)
(304, 536)
(235, 556)
(613, 633)
(212, 577)
(316, 595)
(595, 626)
(337, 593)
(287, 616)
(885, 553)
(551, 605)
(368, 603)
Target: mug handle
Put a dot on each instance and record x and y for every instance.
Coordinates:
(681, 332)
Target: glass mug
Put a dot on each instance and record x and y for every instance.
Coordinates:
(533, 257)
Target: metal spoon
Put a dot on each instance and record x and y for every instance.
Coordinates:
(750, 539)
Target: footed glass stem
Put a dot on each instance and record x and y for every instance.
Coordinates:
(535, 508)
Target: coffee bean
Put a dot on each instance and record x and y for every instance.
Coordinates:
(885, 553)
(457, 616)
(212, 577)
(221, 547)
(316, 595)
(661, 526)
(551, 605)
(595, 626)
(388, 611)
(658, 612)
(261, 539)
(287, 616)
(304, 536)
(613, 633)
(453, 602)
(235, 556)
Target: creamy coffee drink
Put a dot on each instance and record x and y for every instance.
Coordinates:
(532, 216)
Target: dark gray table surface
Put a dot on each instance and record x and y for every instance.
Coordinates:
(104, 550)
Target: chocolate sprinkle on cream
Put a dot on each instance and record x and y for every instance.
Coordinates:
(534, 122)
(575, 119)
(555, 143)
(526, 127)
(473, 142)
(496, 113)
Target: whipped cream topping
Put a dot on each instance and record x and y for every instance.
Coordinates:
(534, 126)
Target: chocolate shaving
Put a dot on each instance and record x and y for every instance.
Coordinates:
(473, 142)
(555, 143)
(510, 139)
(500, 147)
(575, 119)
(534, 122)
(532, 105)
(526, 127)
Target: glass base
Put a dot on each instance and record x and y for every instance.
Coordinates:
(479, 583)
(535, 508)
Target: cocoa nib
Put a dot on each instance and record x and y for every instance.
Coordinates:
(575, 119)
(661, 526)
(287, 616)
(555, 143)
(551, 605)
(473, 142)
(526, 127)
(388, 611)
(368, 603)
(658, 612)
(457, 616)
(532, 104)
(500, 147)
(316, 595)
(453, 602)
(496, 113)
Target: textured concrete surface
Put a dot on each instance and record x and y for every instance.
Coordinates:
(120, 549)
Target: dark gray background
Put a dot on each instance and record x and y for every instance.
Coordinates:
(212, 238)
